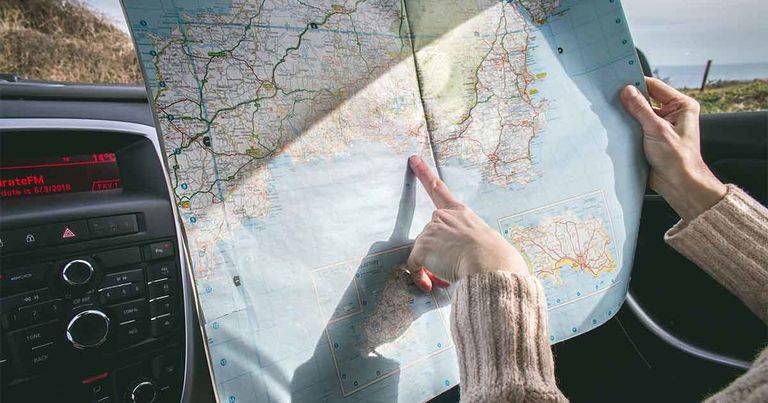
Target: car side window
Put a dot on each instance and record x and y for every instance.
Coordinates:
(680, 37)
(79, 41)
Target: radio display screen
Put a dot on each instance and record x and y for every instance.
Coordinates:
(40, 176)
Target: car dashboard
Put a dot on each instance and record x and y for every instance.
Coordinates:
(95, 296)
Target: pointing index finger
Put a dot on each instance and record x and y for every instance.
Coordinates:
(435, 187)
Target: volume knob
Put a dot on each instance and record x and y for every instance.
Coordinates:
(88, 329)
(143, 392)
(77, 272)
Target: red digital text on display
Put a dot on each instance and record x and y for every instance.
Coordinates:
(41, 176)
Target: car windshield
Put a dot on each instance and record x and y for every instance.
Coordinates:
(715, 54)
(67, 41)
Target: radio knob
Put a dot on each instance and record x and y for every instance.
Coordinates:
(88, 329)
(77, 272)
(143, 392)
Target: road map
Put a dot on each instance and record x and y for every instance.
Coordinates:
(287, 125)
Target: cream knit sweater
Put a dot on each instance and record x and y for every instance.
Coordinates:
(499, 320)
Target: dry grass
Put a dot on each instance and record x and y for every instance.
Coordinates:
(63, 40)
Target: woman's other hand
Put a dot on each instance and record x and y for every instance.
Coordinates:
(457, 242)
(671, 144)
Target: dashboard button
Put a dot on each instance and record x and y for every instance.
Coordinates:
(31, 315)
(34, 314)
(113, 226)
(121, 293)
(122, 277)
(97, 387)
(156, 271)
(160, 288)
(161, 306)
(135, 289)
(132, 332)
(112, 294)
(15, 280)
(82, 300)
(159, 250)
(40, 356)
(26, 339)
(161, 325)
(53, 308)
(131, 310)
(119, 257)
(67, 232)
(26, 299)
(24, 239)
(167, 369)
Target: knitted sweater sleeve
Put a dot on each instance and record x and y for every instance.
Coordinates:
(730, 242)
(499, 326)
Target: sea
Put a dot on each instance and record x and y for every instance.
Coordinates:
(690, 76)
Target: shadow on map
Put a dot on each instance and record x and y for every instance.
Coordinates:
(304, 386)
(383, 385)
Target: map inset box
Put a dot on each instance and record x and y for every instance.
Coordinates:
(379, 322)
(569, 242)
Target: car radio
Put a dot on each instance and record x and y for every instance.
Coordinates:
(92, 286)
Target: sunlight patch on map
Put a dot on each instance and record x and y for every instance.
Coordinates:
(482, 103)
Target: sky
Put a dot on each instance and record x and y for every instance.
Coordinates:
(670, 32)
(676, 32)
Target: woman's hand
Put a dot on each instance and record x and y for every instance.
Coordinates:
(671, 143)
(457, 242)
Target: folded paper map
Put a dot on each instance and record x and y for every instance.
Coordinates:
(287, 125)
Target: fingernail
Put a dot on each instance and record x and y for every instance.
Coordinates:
(632, 91)
(416, 164)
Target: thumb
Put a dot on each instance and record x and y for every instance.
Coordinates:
(417, 271)
(636, 105)
(436, 281)
(422, 280)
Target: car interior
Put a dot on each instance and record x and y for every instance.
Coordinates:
(97, 296)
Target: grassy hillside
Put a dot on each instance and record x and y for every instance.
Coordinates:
(63, 40)
(732, 96)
